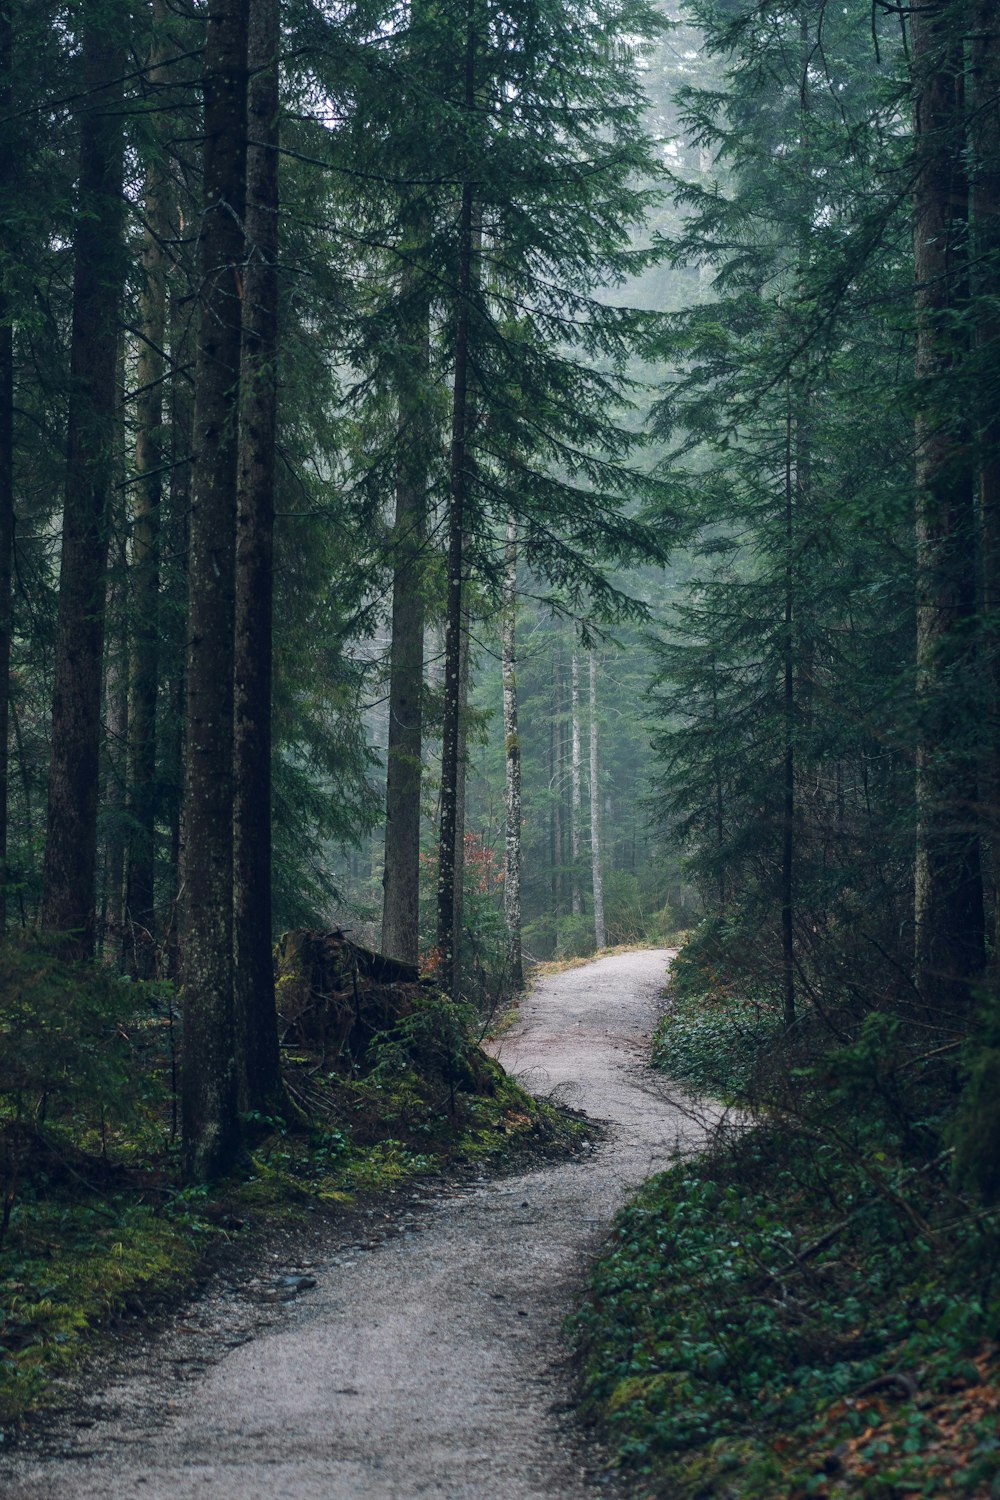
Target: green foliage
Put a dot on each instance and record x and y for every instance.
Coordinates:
(810, 1307)
(63, 1037)
(714, 1042)
(976, 1131)
(68, 1266)
(70, 1069)
(767, 1306)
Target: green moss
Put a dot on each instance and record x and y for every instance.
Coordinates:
(67, 1269)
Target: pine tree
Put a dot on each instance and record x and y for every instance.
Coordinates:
(209, 1081)
(948, 886)
(252, 748)
(69, 892)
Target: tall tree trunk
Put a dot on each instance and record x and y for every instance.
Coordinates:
(145, 563)
(447, 938)
(254, 974)
(174, 613)
(576, 768)
(401, 876)
(68, 880)
(7, 187)
(553, 812)
(209, 1118)
(720, 823)
(788, 731)
(112, 936)
(948, 914)
(985, 156)
(600, 934)
(461, 785)
(558, 783)
(512, 762)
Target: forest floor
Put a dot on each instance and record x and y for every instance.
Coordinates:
(428, 1361)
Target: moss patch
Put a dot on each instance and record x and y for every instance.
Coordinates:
(812, 1307)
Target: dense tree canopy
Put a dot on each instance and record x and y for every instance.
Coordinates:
(401, 399)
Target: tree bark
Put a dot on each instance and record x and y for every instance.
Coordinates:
(177, 532)
(985, 204)
(209, 1118)
(948, 912)
(7, 188)
(461, 784)
(401, 874)
(553, 805)
(112, 938)
(145, 561)
(512, 762)
(788, 729)
(600, 934)
(68, 879)
(447, 937)
(576, 768)
(261, 1087)
(558, 785)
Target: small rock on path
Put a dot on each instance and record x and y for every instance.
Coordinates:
(430, 1365)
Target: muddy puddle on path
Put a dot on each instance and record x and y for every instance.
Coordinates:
(429, 1363)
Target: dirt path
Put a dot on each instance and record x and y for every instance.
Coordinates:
(429, 1364)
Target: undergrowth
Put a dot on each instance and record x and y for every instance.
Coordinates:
(96, 1224)
(812, 1306)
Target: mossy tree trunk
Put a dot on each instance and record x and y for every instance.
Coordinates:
(144, 572)
(512, 762)
(254, 976)
(209, 1116)
(401, 877)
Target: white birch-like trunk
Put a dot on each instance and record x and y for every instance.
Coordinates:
(576, 766)
(461, 781)
(512, 762)
(600, 935)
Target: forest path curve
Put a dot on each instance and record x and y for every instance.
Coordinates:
(430, 1365)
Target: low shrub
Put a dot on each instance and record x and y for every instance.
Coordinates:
(812, 1306)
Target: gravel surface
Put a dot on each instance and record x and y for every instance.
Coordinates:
(428, 1362)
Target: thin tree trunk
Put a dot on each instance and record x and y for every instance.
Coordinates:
(948, 908)
(209, 1118)
(68, 880)
(576, 770)
(553, 817)
(182, 341)
(558, 780)
(720, 825)
(261, 1086)
(788, 729)
(512, 762)
(600, 934)
(145, 563)
(461, 785)
(401, 875)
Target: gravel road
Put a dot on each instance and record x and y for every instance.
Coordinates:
(429, 1363)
